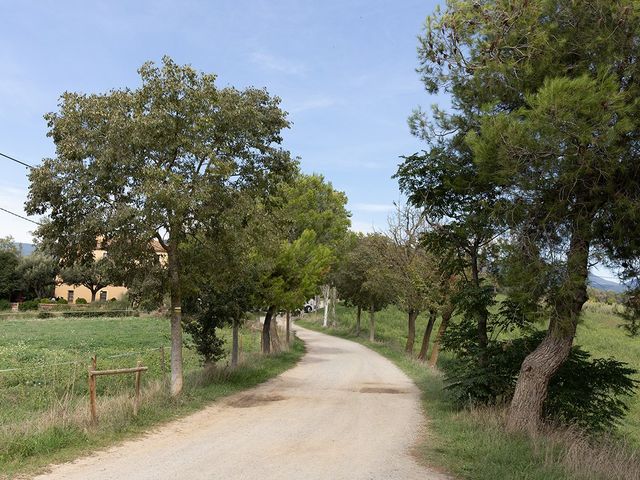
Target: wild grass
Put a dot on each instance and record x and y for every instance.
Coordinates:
(473, 444)
(52, 424)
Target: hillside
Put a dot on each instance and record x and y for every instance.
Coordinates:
(603, 284)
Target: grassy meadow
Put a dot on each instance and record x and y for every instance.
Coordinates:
(472, 444)
(44, 402)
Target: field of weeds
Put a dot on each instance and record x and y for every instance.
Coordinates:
(44, 413)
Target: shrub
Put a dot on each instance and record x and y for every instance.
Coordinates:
(4, 304)
(28, 305)
(61, 301)
(587, 392)
(46, 300)
(44, 314)
(81, 301)
(203, 320)
(590, 392)
(101, 313)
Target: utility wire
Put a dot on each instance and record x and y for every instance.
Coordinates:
(20, 216)
(17, 161)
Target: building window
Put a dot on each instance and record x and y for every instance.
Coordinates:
(70, 296)
(103, 296)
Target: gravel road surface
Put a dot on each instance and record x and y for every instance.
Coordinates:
(344, 412)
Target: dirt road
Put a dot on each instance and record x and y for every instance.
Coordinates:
(344, 412)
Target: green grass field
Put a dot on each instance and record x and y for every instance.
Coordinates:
(44, 402)
(472, 444)
(601, 334)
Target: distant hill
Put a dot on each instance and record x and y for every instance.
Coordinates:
(603, 284)
(25, 248)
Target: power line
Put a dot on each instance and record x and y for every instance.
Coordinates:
(17, 161)
(20, 216)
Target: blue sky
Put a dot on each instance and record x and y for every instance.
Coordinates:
(345, 71)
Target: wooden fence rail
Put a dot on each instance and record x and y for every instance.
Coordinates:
(94, 372)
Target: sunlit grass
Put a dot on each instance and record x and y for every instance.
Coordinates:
(44, 409)
(474, 445)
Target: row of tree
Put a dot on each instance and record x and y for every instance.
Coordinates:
(32, 276)
(532, 174)
(199, 170)
(394, 267)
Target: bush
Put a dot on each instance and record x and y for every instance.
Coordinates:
(45, 315)
(61, 301)
(28, 305)
(4, 304)
(81, 301)
(101, 313)
(204, 317)
(590, 392)
(46, 300)
(587, 392)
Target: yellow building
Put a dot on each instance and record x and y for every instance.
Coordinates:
(71, 293)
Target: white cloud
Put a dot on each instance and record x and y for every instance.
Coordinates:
(373, 207)
(362, 227)
(278, 64)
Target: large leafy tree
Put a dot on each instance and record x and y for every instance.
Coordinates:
(94, 275)
(366, 276)
(9, 261)
(463, 211)
(223, 266)
(312, 203)
(350, 275)
(309, 225)
(152, 163)
(415, 271)
(38, 273)
(553, 86)
(293, 274)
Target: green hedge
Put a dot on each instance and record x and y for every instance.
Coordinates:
(101, 313)
(28, 305)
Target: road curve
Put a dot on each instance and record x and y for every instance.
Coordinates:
(344, 412)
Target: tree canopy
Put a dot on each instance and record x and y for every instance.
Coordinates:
(154, 162)
(540, 148)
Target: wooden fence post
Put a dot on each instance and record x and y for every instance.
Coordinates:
(92, 390)
(136, 402)
(94, 372)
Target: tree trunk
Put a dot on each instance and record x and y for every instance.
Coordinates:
(93, 295)
(288, 326)
(234, 342)
(334, 299)
(435, 351)
(411, 333)
(325, 296)
(525, 412)
(427, 335)
(176, 315)
(483, 314)
(372, 324)
(358, 315)
(266, 328)
(275, 338)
